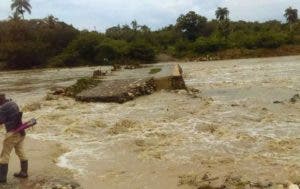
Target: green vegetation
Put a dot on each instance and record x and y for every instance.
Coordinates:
(154, 70)
(80, 85)
(291, 17)
(30, 43)
(48, 42)
(222, 15)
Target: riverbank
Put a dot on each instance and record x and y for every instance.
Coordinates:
(235, 54)
(43, 171)
(228, 54)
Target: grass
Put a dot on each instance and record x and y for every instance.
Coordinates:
(154, 70)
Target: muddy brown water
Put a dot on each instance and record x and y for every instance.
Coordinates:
(232, 130)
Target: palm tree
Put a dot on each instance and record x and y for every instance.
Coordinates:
(291, 16)
(21, 6)
(15, 16)
(134, 25)
(222, 13)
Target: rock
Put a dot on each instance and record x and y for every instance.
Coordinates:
(99, 73)
(60, 185)
(182, 92)
(116, 67)
(205, 176)
(131, 94)
(193, 90)
(277, 102)
(51, 97)
(295, 98)
(263, 184)
(59, 91)
(132, 66)
(74, 185)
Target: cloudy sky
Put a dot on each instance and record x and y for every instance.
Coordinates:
(101, 14)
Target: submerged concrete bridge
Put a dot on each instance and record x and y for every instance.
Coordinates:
(126, 85)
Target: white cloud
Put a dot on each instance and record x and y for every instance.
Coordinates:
(155, 13)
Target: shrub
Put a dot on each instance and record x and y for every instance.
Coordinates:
(211, 44)
(271, 40)
(85, 45)
(24, 55)
(65, 59)
(105, 54)
(250, 41)
(109, 51)
(91, 49)
(182, 48)
(30, 43)
(141, 51)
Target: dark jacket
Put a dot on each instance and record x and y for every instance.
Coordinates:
(10, 115)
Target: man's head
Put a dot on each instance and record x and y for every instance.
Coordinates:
(2, 98)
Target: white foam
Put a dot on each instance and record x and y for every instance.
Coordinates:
(64, 162)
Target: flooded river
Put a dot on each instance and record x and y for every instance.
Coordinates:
(231, 132)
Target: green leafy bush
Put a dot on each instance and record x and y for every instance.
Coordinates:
(30, 43)
(24, 55)
(211, 44)
(109, 51)
(141, 51)
(271, 40)
(181, 48)
(65, 59)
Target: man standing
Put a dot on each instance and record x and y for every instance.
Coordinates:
(11, 117)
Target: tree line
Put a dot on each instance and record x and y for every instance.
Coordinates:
(49, 42)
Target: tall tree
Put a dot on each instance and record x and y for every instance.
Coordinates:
(15, 16)
(222, 15)
(20, 7)
(51, 21)
(134, 25)
(145, 29)
(291, 16)
(191, 25)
